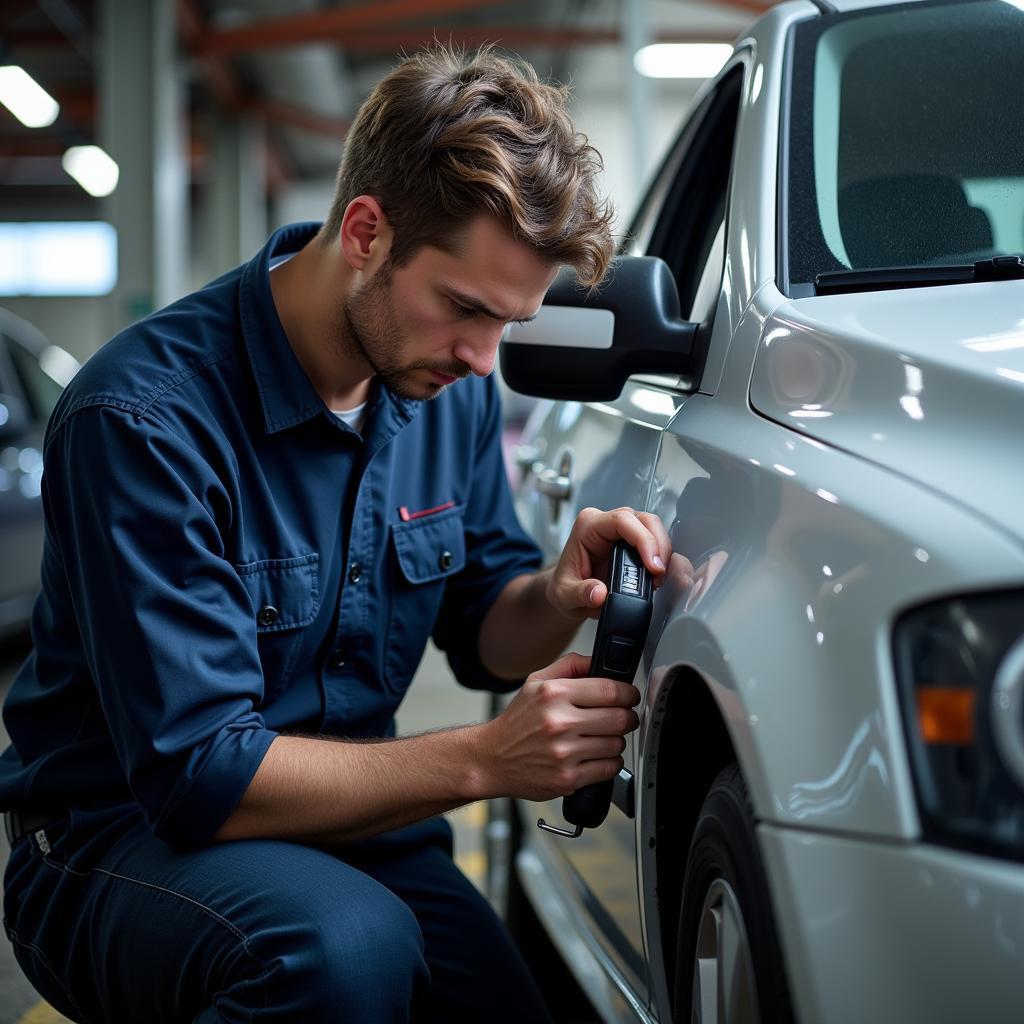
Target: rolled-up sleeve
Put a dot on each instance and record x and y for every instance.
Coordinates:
(497, 551)
(166, 623)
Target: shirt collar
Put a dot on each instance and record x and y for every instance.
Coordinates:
(286, 393)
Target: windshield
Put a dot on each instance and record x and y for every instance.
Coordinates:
(906, 138)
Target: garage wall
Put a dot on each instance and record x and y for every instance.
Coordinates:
(76, 324)
(600, 110)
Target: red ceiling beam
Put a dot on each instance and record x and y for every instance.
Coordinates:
(757, 6)
(393, 40)
(31, 146)
(79, 106)
(31, 39)
(37, 145)
(328, 25)
(300, 117)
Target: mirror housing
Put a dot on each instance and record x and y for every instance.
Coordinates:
(584, 344)
(14, 419)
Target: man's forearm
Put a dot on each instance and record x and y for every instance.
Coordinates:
(323, 790)
(522, 630)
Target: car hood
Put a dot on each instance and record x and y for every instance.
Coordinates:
(928, 382)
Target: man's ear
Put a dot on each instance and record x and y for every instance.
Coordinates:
(365, 234)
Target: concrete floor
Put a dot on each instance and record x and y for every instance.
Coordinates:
(435, 700)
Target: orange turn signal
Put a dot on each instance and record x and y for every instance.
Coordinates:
(946, 714)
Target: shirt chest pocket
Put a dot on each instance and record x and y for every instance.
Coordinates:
(285, 596)
(427, 553)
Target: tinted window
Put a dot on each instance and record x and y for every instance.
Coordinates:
(694, 208)
(907, 138)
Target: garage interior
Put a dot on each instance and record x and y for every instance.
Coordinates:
(217, 121)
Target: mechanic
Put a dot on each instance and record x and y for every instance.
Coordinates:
(260, 502)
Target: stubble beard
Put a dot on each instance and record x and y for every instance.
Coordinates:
(366, 327)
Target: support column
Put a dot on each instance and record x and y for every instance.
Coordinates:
(636, 34)
(142, 126)
(235, 224)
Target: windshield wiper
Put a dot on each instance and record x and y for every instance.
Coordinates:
(1000, 268)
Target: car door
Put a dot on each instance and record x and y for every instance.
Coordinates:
(29, 372)
(21, 514)
(604, 455)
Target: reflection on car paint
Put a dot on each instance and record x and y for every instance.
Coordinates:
(836, 792)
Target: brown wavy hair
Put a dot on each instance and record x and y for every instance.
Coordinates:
(447, 135)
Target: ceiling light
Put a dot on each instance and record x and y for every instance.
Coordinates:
(92, 169)
(682, 60)
(25, 98)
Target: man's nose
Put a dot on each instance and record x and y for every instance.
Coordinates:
(479, 349)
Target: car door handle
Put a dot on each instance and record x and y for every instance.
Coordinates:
(555, 485)
(526, 455)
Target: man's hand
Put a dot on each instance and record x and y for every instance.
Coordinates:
(561, 731)
(577, 586)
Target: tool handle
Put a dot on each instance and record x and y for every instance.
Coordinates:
(621, 633)
(588, 807)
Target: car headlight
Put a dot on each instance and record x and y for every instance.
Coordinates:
(960, 669)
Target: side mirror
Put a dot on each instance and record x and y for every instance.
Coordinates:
(584, 345)
(14, 420)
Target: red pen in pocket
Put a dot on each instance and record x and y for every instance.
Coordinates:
(407, 516)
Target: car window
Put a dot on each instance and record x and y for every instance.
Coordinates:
(41, 391)
(693, 213)
(710, 279)
(903, 147)
(638, 238)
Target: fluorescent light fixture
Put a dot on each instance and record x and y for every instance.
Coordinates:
(57, 258)
(682, 60)
(25, 98)
(92, 169)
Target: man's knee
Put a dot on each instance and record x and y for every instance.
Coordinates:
(357, 956)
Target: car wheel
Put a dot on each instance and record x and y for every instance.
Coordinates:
(729, 964)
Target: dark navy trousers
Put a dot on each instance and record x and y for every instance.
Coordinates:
(112, 925)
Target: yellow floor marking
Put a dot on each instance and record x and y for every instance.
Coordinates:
(471, 814)
(473, 865)
(43, 1013)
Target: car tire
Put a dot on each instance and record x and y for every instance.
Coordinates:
(729, 967)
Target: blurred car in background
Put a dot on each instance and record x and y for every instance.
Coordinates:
(808, 362)
(33, 372)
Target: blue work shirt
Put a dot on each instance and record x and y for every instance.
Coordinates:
(226, 559)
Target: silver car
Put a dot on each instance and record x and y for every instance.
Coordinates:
(33, 372)
(809, 362)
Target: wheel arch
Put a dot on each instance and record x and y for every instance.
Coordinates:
(689, 745)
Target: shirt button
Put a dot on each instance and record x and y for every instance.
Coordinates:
(355, 572)
(267, 615)
(445, 561)
(336, 659)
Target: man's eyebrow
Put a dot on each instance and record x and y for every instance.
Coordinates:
(473, 303)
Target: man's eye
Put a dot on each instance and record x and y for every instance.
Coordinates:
(463, 311)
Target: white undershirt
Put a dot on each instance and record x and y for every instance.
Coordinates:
(352, 417)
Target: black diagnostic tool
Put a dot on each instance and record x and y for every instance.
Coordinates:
(621, 633)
